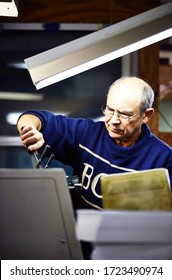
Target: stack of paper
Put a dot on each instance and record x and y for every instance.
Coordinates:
(126, 234)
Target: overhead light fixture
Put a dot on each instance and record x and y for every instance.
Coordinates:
(12, 117)
(10, 141)
(17, 65)
(9, 8)
(100, 46)
(20, 96)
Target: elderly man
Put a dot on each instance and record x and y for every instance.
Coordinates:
(122, 143)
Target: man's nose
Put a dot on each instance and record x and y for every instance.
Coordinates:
(115, 118)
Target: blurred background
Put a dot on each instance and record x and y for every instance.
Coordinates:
(42, 25)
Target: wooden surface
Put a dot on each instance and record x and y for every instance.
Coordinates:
(79, 11)
(148, 65)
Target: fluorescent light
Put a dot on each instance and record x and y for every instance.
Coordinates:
(53, 26)
(17, 65)
(12, 117)
(8, 8)
(63, 113)
(100, 46)
(80, 26)
(20, 96)
(103, 59)
(23, 26)
(10, 141)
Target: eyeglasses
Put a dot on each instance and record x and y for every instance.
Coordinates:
(110, 113)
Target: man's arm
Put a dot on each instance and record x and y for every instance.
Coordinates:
(28, 120)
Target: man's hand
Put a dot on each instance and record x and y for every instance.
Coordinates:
(31, 138)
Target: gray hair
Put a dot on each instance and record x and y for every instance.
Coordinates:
(147, 98)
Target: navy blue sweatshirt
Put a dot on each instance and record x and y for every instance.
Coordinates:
(86, 145)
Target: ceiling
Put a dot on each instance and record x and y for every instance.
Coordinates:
(80, 11)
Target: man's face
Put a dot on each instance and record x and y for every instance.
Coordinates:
(125, 124)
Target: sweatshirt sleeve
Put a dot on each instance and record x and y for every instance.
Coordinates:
(61, 133)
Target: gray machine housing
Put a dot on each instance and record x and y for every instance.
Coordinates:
(36, 215)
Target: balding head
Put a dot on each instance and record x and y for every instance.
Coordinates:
(133, 88)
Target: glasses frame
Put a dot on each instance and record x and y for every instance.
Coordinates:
(118, 114)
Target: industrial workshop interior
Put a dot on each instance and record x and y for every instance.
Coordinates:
(40, 213)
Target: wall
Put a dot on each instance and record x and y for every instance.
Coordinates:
(80, 96)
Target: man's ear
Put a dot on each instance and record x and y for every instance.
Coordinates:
(147, 114)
